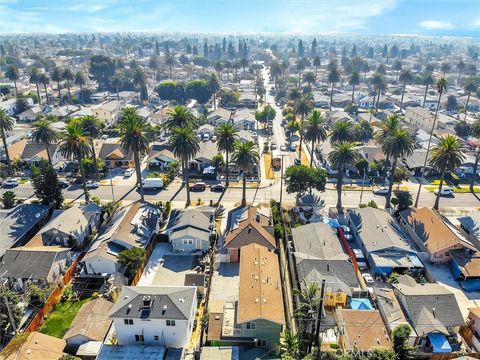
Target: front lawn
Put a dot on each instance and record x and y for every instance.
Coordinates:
(59, 320)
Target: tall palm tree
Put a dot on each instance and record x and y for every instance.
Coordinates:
(397, 145)
(444, 68)
(387, 128)
(309, 78)
(308, 302)
(218, 68)
(6, 125)
(34, 79)
(302, 108)
(342, 131)
(67, 75)
(378, 82)
(92, 127)
(405, 78)
(342, 154)
(365, 70)
(180, 116)
(44, 133)
(117, 82)
(246, 157)
(227, 135)
(315, 130)
(243, 63)
(136, 136)
(213, 86)
(475, 131)
(333, 77)
(140, 80)
(460, 67)
(80, 82)
(170, 62)
(43, 79)
(185, 145)
(153, 64)
(57, 77)
(316, 62)
(469, 88)
(300, 65)
(74, 144)
(427, 81)
(13, 74)
(446, 156)
(397, 66)
(354, 80)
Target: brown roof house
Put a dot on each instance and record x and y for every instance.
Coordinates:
(249, 225)
(432, 235)
(114, 156)
(90, 324)
(258, 316)
(34, 346)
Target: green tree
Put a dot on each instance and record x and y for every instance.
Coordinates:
(387, 128)
(401, 174)
(444, 68)
(213, 86)
(290, 345)
(451, 103)
(342, 154)
(80, 82)
(470, 87)
(227, 136)
(92, 128)
(74, 144)
(13, 74)
(131, 259)
(309, 78)
(405, 78)
(301, 178)
(333, 77)
(342, 131)
(44, 80)
(136, 135)
(302, 108)
(379, 85)
(9, 199)
(37, 296)
(400, 336)
(45, 184)
(397, 66)
(475, 131)
(139, 79)
(179, 116)
(56, 76)
(34, 79)
(185, 145)
(68, 76)
(316, 63)
(228, 98)
(362, 131)
(427, 81)
(446, 156)
(246, 157)
(102, 69)
(354, 80)
(16, 311)
(315, 131)
(307, 307)
(198, 90)
(6, 125)
(402, 200)
(44, 133)
(460, 67)
(117, 82)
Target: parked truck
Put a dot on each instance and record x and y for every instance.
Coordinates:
(153, 183)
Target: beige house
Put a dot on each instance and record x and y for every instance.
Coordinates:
(419, 118)
(108, 112)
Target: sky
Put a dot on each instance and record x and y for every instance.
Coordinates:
(421, 17)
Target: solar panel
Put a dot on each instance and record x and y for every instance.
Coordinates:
(145, 313)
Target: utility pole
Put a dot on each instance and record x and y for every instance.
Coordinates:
(318, 343)
(281, 182)
(361, 192)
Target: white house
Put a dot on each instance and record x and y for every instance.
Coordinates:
(219, 116)
(155, 315)
(30, 114)
(189, 230)
(244, 119)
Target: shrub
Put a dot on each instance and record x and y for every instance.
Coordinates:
(8, 199)
(278, 230)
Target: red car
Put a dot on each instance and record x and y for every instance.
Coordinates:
(199, 186)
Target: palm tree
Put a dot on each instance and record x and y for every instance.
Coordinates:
(92, 127)
(74, 145)
(170, 62)
(475, 131)
(342, 131)
(6, 125)
(302, 108)
(290, 344)
(67, 75)
(179, 116)
(243, 63)
(246, 157)
(308, 303)
(397, 66)
(213, 86)
(292, 126)
(300, 67)
(218, 68)
(444, 68)
(309, 78)
(315, 130)
(460, 68)
(153, 65)
(13, 74)
(185, 145)
(342, 154)
(80, 82)
(378, 82)
(365, 70)
(140, 80)
(427, 81)
(405, 78)
(397, 145)
(446, 156)
(43, 79)
(117, 82)
(57, 77)
(354, 81)
(275, 71)
(387, 128)
(333, 77)
(34, 79)
(316, 62)
(469, 88)
(44, 133)
(227, 135)
(136, 135)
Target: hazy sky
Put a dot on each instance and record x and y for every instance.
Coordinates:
(425, 17)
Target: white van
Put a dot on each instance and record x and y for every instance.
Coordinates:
(153, 183)
(206, 137)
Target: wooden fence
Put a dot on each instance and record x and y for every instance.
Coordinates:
(148, 249)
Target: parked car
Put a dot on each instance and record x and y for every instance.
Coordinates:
(63, 183)
(446, 191)
(293, 146)
(297, 161)
(199, 186)
(283, 148)
(128, 172)
(10, 182)
(273, 146)
(368, 278)
(347, 233)
(92, 184)
(381, 191)
(217, 187)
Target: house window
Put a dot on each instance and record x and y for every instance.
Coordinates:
(170, 322)
(139, 338)
(184, 241)
(155, 337)
(128, 321)
(251, 326)
(190, 241)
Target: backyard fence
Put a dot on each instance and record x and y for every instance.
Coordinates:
(148, 249)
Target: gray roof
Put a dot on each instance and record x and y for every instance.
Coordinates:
(378, 230)
(390, 307)
(173, 303)
(182, 219)
(207, 151)
(191, 232)
(32, 149)
(70, 221)
(131, 352)
(15, 223)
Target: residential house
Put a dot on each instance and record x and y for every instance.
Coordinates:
(62, 112)
(248, 99)
(131, 226)
(382, 241)
(391, 310)
(321, 101)
(469, 226)
(90, 324)
(319, 255)
(33, 153)
(108, 112)
(219, 116)
(160, 158)
(113, 155)
(473, 321)
(341, 100)
(247, 135)
(432, 311)
(432, 235)
(361, 330)
(190, 230)
(203, 159)
(84, 111)
(420, 118)
(42, 265)
(367, 102)
(99, 97)
(333, 116)
(155, 315)
(248, 225)
(206, 129)
(244, 119)
(15, 150)
(465, 268)
(31, 114)
(34, 346)
(20, 224)
(10, 105)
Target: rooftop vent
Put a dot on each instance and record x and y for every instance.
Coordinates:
(147, 301)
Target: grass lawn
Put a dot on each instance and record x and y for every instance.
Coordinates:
(305, 160)
(267, 158)
(23, 181)
(61, 317)
(461, 189)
